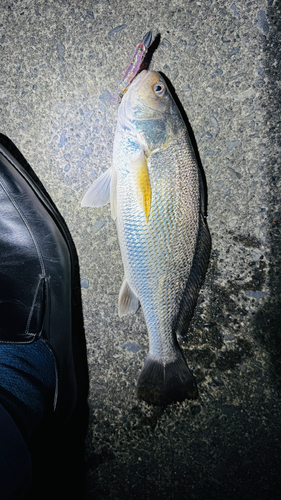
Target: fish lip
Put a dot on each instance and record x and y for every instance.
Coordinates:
(134, 86)
(138, 81)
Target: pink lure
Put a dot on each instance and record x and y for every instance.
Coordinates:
(132, 69)
(135, 63)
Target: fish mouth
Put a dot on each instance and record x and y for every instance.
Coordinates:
(138, 81)
(125, 112)
(129, 102)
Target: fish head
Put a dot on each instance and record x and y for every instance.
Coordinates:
(148, 111)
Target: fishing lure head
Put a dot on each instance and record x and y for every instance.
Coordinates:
(148, 111)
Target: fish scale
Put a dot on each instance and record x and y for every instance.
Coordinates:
(158, 254)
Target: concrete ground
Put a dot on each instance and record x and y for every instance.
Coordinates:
(59, 62)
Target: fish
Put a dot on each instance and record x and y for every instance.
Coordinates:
(157, 196)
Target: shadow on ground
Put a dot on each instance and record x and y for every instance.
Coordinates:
(268, 320)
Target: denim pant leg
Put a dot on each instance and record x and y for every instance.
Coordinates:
(15, 460)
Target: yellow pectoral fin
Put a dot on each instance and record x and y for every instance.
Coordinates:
(143, 188)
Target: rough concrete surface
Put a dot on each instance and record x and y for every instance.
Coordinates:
(59, 62)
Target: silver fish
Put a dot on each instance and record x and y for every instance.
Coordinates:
(156, 193)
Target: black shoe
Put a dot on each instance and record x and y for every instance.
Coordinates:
(40, 286)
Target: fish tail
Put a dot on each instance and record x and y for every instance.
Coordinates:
(162, 383)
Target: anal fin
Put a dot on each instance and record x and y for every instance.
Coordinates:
(128, 302)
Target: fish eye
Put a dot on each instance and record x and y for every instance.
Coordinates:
(159, 89)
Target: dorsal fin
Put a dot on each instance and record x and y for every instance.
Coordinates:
(199, 265)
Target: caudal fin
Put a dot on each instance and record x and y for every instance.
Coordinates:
(160, 384)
